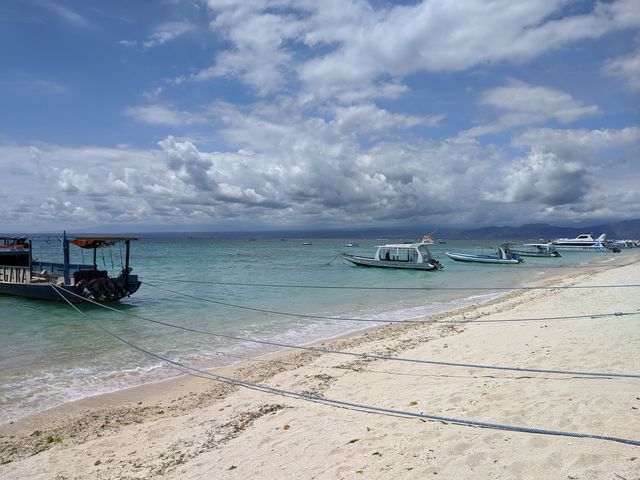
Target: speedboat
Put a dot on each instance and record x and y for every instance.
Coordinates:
(408, 256)
(21, 275)
(584, 241)
(503, 255)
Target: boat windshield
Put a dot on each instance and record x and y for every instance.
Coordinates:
(398, 254)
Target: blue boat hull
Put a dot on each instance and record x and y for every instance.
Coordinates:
(464, 257)
(44, 291)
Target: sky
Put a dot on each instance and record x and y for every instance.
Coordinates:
(282, 114)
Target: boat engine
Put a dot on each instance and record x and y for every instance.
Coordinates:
(436, 263)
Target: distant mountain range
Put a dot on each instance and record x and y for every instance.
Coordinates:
(627, 229)
(621, 230)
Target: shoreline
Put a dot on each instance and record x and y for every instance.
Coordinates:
(89, 419)
(449, 308)
(153, 388)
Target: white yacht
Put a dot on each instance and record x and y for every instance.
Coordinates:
(584, 241)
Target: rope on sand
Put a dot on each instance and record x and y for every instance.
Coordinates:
(365, 355)
(353, 405)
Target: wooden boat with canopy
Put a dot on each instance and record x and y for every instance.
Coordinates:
(22, 275)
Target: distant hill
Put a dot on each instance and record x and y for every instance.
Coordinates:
(622, 230)
(532, 231)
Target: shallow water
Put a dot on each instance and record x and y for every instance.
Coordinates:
(50, 354)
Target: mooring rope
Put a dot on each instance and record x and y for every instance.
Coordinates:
(362, 355)
(374, 320)
(354, 405)
(331, 367)
(427, 288)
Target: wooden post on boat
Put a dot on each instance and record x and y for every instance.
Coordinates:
(65, 249)
(30, 240)
(95, 256)
(127, 249)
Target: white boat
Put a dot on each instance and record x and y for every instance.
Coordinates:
(503, 255)
(428, 239)
(536, 250)
(623, 244)
(352, 244)
(584, 241)
(408, 256)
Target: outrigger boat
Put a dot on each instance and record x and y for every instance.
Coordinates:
(23, 276)
(504, 255)
(408, 256)
(536, 250)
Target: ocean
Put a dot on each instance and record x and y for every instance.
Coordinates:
(50, 354)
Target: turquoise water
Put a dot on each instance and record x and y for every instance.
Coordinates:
(50, 354)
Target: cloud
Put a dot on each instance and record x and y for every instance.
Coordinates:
(316, 172)
(544, 178)
(527, 104)
(66, 14)
(164, 115)
(572, 174)
(349, 49)
(167, 32)
(71, 182)
(25, 84)
(162, 34)
(260, 55)
(626, 67)
(604, 146)
(369, 118)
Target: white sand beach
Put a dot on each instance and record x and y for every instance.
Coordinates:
(192, 428)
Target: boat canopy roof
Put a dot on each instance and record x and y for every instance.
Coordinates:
(115, 238)
(402, 245)
(97, 242)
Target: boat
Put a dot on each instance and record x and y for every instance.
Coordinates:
(536, 250)
(584, 241)
(407, 256)
(622, 244)
(14, 250)
(307, 243)
(22, 275)
(352, 245)
(503, 255)
(428, 239)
